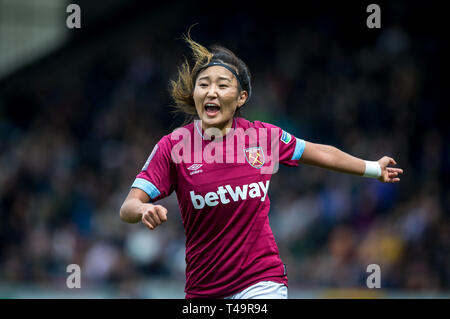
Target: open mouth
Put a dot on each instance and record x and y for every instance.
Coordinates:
(212, 109)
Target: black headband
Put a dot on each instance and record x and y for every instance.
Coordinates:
(226, 67)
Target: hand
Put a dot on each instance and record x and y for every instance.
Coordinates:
(389, 174)
(153, 215)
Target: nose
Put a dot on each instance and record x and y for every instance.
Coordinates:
(212, 91)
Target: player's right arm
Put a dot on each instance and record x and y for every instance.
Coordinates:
(136, 208)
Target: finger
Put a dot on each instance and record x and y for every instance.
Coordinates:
(392, 161)
(392, 169)
(392, 179)
(161, 212)
(147, 223)
(154, 216)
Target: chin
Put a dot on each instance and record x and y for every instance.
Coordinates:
(212, 121)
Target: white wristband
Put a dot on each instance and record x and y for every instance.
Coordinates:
(373, 169)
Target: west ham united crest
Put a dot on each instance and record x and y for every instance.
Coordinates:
(255, 156)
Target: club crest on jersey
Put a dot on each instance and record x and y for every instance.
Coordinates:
(255, 156)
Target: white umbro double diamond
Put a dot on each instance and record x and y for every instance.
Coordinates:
(195, 169)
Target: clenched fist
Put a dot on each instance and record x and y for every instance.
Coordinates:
(153, 215)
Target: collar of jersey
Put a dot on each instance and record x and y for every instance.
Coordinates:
(200, 130)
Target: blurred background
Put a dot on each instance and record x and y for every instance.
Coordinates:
(81, 109)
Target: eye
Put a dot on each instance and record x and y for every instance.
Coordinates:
(203, 85)
(223, 86)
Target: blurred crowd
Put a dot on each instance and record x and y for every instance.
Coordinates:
(71, 146)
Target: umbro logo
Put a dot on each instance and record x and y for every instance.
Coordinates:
(195, 169)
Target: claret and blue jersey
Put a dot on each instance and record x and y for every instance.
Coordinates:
(223, 198)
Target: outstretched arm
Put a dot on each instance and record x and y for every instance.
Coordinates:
(332, 158)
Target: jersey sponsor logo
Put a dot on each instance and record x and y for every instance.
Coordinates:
(255, 156)
(253, 190)
(150, 158)
(285, 137)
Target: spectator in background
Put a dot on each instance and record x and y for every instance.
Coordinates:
(75, 133)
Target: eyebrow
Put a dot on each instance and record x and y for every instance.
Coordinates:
(206, 77)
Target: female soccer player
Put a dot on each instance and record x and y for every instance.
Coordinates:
(218, 165)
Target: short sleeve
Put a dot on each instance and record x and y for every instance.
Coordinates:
(157, 177)
(290, 147)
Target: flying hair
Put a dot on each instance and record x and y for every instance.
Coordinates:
(182, 89)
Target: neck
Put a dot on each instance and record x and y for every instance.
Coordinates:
(222, 128)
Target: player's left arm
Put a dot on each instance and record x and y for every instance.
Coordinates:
(332, 158)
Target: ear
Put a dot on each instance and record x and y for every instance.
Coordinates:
(243, 95)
